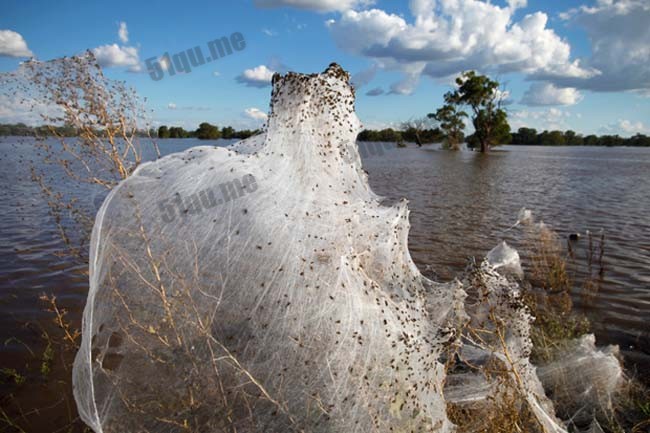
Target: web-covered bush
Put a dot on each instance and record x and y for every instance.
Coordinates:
(266, 288)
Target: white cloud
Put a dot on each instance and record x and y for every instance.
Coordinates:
(517, 4)
(269, 32)
(21, 107)
(626, 128)
(259, 76)
(632, 127)
(123, 32)
(171, 106)
(216, 73)
(550, 119)
(12, 44)
(316, 5)
(544, 93)
(115, 55)
(619, 32)
(255, 114)
(450, 36)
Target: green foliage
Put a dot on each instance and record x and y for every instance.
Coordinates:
(552, 138)
(388, 134)
(227, 132)
(207, 131)
(47, 359)
(422, 136)
(163, 132)
(410, 134)
(178, 132)
(452, 124)
(22, 130)
(476, 91)
(481, 95)
(13, 375)
(529, 136)
(525, 136)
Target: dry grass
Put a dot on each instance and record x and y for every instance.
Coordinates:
(549, 296)
(504, 414)
(552, 280)
(107, 116)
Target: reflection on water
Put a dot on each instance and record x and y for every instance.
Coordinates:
(461, 204)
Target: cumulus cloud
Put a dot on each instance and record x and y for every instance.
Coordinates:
(315, 5)
(255, 114)
(12, 44)
(115, 55)
(171, 106)
(123, 32)
(451, 36)
(625, 127)
(632, 127)
(259, 76)
(544, 93)
(552, 118)
(620, 45)
(516, 4)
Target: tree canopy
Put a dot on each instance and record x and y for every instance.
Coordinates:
(452, 124)
(481, 94)
(207, 131)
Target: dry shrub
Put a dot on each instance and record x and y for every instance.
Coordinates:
(96, 124)
(105, 119)
(557, 272)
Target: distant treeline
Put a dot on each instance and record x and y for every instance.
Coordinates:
(530, 137)
(412, 135)
(205, 131)
(22, 130)
(523, 136)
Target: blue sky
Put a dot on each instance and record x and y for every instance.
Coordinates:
(582, 65)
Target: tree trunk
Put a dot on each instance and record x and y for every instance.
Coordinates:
(484, 146)
(417, 139)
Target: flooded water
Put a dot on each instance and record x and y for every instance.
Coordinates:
(461, 205)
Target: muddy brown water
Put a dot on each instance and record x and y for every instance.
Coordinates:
(461, 203)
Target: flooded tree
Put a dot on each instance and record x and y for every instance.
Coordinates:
(452, 124)
(481, 94)
(421, 130)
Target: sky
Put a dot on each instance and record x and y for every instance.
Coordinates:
(571, 64)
